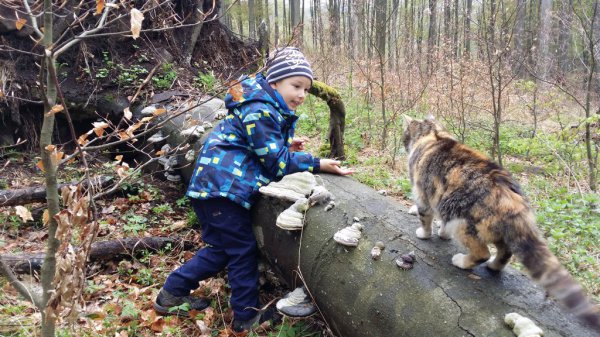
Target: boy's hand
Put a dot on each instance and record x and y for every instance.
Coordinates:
(298, 144)
(333, 166)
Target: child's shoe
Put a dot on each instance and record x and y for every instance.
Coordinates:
(296, 304)
(240, 326)
(268, 314)
(165, 301)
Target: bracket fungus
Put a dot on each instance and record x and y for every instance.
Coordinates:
(522, 326)
(376, 251)
(293, 217)
(349, 236)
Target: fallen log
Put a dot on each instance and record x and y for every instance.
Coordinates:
(101, 251)
(359, 296)
(38, 193)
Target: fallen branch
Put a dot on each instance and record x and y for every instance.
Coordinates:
(101, 251)
(38, 193)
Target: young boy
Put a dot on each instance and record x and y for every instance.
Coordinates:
(253, 146)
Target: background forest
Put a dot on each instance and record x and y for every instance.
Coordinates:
(518, 80)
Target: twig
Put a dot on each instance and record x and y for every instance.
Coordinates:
(146, 80)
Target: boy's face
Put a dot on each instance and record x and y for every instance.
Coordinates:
(293, 90)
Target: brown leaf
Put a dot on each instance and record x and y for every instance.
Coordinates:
(20, 23)
(23, 213)
(119, 157)
(99, 128)
(99, 7)
(159, 112)
(40, 165)
(55, 109)
(50, 147)
(46, 217)
(474, 277)
(136, 22)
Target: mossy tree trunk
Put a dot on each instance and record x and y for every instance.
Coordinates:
(337, 119)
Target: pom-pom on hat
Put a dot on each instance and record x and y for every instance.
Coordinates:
(287, 62)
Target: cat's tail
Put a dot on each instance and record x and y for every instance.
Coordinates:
(548, 272)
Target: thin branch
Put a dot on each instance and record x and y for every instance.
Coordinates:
(33, 20)
(5, 270)
(75, 40)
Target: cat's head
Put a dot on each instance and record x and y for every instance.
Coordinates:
(415, 129)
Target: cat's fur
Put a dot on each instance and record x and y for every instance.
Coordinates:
(479, 203)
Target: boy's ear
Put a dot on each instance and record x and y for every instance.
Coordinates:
(407, 120)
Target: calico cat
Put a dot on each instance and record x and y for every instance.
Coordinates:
(479, 203)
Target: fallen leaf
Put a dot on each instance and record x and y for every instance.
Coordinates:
(99, 128)
(20, 23)
(158, 112)
(1, 93)
(46, 217)
(55, 109)
(474, 277)
(50, 147)
(99, 7)
(24, 213)
(127, 113)
(136, 22)
(40, 165)
(177, 225)
(108, 210)
(119, 157)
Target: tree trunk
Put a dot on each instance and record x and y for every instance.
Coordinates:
(294, 6)
(362, 297)
(545, 26)
(337, 117)
(564, 37)
(432, 36)
(467, 41)
(276, 19)
(334, 22)
(251, 19)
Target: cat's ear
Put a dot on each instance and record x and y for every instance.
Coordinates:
(430, 118)
(407, 120)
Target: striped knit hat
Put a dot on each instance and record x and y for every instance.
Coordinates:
(287, 62)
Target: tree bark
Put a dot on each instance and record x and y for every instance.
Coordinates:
(362, 297)
(38, 193)
(251, 19)
(101, 251)
(337, 117)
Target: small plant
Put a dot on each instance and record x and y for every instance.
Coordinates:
(144, 277)
(166, 78)
(135, 223)
(183, 202)
(162, 208)
(206, 82)
(182, 307)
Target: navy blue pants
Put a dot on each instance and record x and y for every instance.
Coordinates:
(227, 231)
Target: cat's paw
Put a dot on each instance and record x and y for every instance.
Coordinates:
(462, 261)
(422, 234)
(414, 210)
(493, 264)
(443, 234)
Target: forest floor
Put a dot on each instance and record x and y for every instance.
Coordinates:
(119, 293)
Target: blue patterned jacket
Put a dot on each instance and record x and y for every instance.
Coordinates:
(249, 148)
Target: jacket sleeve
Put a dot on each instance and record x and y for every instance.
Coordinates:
(262, 127)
